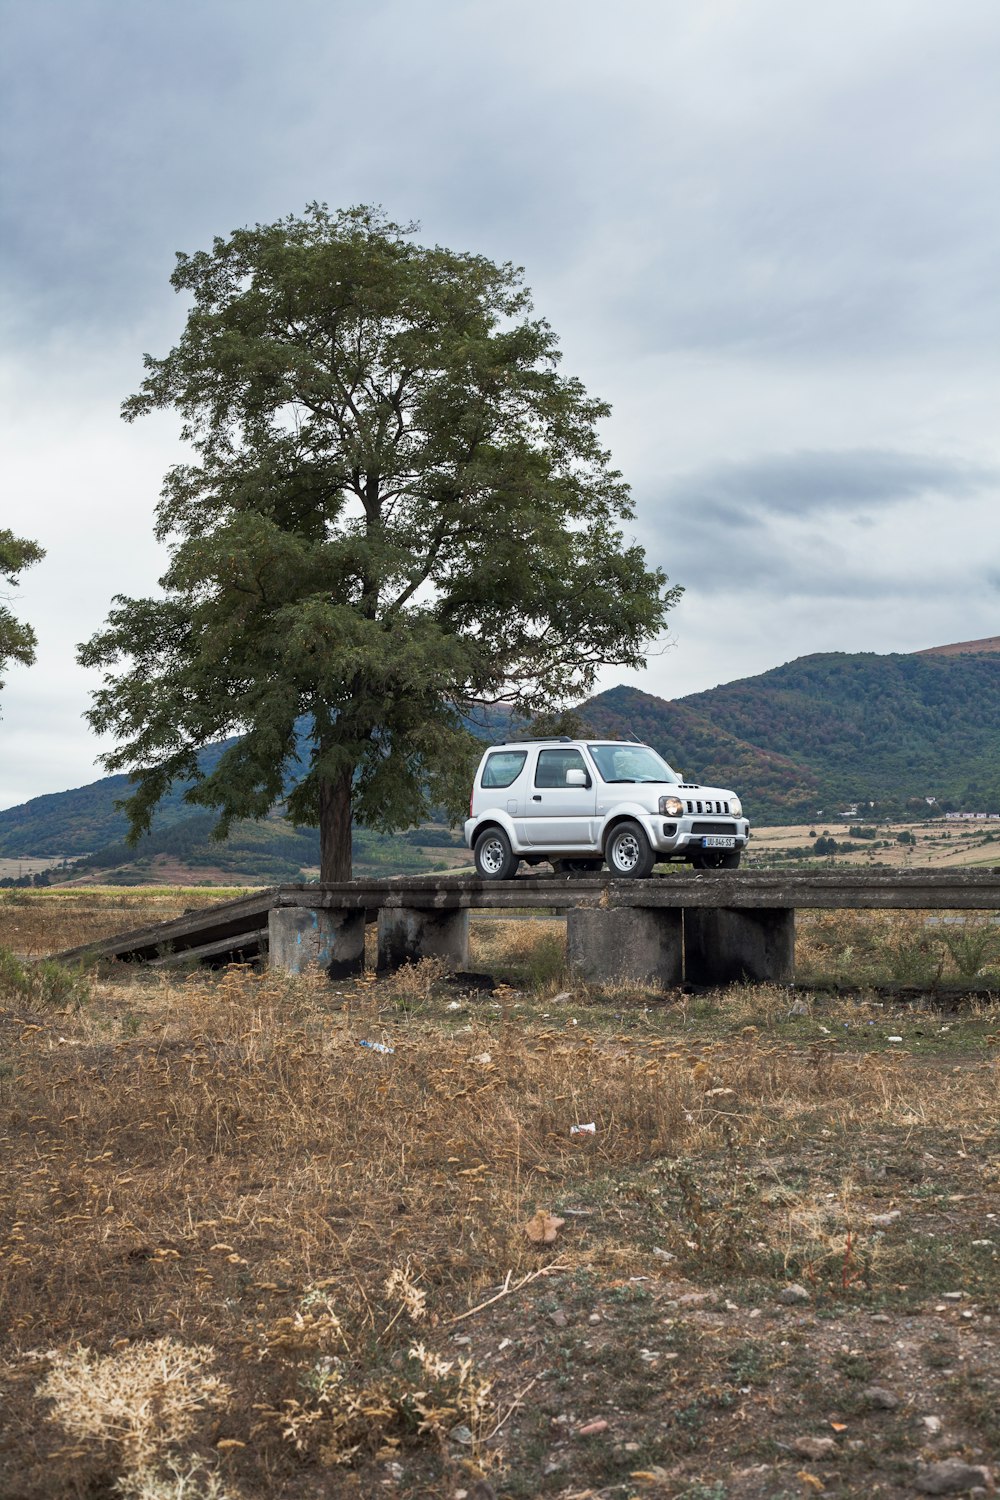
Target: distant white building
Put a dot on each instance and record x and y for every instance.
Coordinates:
(976, 817)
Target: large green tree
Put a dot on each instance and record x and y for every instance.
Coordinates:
(398, 508)
(17, 640)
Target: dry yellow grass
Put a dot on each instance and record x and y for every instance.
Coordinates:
(33, 923)
(211, 1169)
(937, 844)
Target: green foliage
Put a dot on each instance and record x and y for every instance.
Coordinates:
(397, 507)
(17, 640)
(45, 983)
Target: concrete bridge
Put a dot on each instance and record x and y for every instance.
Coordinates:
(708, 927)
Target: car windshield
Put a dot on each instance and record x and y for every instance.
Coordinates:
(631, 763)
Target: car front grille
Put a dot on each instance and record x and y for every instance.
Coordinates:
(704, 827)
(708, 806)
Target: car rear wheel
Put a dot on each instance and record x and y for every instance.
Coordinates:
(628, 853)
(495, 859)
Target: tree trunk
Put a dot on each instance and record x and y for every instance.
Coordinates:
(335, 829)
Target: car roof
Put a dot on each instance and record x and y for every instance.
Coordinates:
(565, 740)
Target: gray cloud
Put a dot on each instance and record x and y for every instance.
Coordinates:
(768, 234)
(854, 482)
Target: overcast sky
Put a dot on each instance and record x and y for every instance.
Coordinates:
(767, 232)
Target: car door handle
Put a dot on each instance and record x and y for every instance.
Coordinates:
(535, 797)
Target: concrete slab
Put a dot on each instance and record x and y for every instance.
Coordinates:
(637, 945)
(406, 935)
(301, 937)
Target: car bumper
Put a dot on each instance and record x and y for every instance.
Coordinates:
(685, 835)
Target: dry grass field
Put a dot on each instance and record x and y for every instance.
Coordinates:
(243, 1256)
(937, 845)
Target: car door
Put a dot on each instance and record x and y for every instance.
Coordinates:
(558, 815)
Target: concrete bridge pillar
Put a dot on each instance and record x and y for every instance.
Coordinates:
(723, 945)
(300, 937)
(406, 935)
(637, 944)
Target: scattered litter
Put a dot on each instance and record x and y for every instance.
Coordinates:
(454, 1005)
(894, 1038)
(375, 1046)
(590, 1428)
(590, 1129)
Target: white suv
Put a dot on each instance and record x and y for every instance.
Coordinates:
(578, 803)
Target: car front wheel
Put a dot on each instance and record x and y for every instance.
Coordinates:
(628, 853)
(495, 859)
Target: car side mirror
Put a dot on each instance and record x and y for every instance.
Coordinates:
(576, 777)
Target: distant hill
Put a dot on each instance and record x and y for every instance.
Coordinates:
(821, 732)
(779, 788)
(986, 646)
(888, 729)
(832, 730)
(85, 819)
(84, 826)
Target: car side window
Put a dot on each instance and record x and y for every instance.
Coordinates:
(503, 769)
(553, 765)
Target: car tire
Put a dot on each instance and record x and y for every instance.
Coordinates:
(717, 859)
(495, 859)
(628, 853)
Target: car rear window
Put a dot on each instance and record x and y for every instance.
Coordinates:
(503, 768)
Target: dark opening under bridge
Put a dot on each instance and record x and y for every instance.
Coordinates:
(706, 927)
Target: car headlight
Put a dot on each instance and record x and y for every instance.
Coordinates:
(735, 807)
(672, 806)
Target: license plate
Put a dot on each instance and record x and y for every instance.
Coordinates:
(719, 841)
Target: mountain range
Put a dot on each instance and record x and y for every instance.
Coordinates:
(821, 734)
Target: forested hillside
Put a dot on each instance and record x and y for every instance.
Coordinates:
(85, 819)
(890, 729)
(774, 785)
